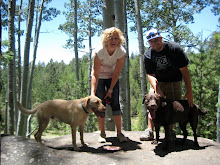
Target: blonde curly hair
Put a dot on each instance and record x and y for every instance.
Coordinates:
(108, 33)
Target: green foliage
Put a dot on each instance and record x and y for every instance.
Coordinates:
(4, 14)
(49, 14)
(7, 55)
(135, 94)
(135, 84)
(140, 117)
(91, 123)
(204, 69)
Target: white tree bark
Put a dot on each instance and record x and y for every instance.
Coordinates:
(11, 66)
(108, 21)
(141, 54)
(128, 110)
(23, 119)
(218, 116)
(120, 23)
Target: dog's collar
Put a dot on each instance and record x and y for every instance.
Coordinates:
(84, 108)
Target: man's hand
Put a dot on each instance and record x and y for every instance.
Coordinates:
(189, 97)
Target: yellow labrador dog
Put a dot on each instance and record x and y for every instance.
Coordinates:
(72, 112)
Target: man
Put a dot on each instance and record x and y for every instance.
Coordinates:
(166, 65)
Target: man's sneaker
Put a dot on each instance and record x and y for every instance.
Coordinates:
(148, 135)
(121, 138)
(102, 138)
(172, 135)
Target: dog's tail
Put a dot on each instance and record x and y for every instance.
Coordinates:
(201, 112)
(26, 111)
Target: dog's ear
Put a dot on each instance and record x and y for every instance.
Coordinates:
(87, 101)
(157, 95)
(165, 96)
(143, 101)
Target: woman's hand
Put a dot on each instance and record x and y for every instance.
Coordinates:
(108, 97)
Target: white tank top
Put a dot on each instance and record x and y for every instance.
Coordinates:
(108, 62)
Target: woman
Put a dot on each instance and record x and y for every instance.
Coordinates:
(108, 62)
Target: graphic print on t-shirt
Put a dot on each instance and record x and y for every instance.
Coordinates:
(162, 62)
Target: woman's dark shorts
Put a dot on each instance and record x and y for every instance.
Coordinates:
(104, 85)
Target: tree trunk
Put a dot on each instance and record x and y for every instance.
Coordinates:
(37, 32)
(11, 16)
(218, 116)
(0, 69)
(19, 64)
(108, 21)
(119, 23)
(23, 119)
(90, 48)
(76, 47)
(128, 110)
(6, 130)
(108, 14)
(141, 54)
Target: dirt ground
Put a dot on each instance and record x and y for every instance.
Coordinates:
(21, 151)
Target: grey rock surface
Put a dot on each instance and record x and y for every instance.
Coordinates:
(18, 150)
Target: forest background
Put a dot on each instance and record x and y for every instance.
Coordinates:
(71, 80)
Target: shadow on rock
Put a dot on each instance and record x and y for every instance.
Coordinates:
(176, 146)
(130, 145)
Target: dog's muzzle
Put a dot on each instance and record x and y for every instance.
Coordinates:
(152, 111)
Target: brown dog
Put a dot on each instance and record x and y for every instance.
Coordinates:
(72, 112)
(165, 113)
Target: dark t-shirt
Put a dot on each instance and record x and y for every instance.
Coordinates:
(166, 63)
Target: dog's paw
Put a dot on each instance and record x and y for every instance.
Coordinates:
(196, 144)
(155, 142)
(76, 148)
(84, 145)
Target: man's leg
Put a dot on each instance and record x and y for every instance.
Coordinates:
(148, 134)
(150, 123)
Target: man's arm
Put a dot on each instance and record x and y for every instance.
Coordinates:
(153, 81)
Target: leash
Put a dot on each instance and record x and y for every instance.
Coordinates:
(84, 108)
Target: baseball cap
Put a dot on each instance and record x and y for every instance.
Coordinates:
(153, 33)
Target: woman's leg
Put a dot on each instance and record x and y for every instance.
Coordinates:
(100, 92)
(101, 124)
(117, 120)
